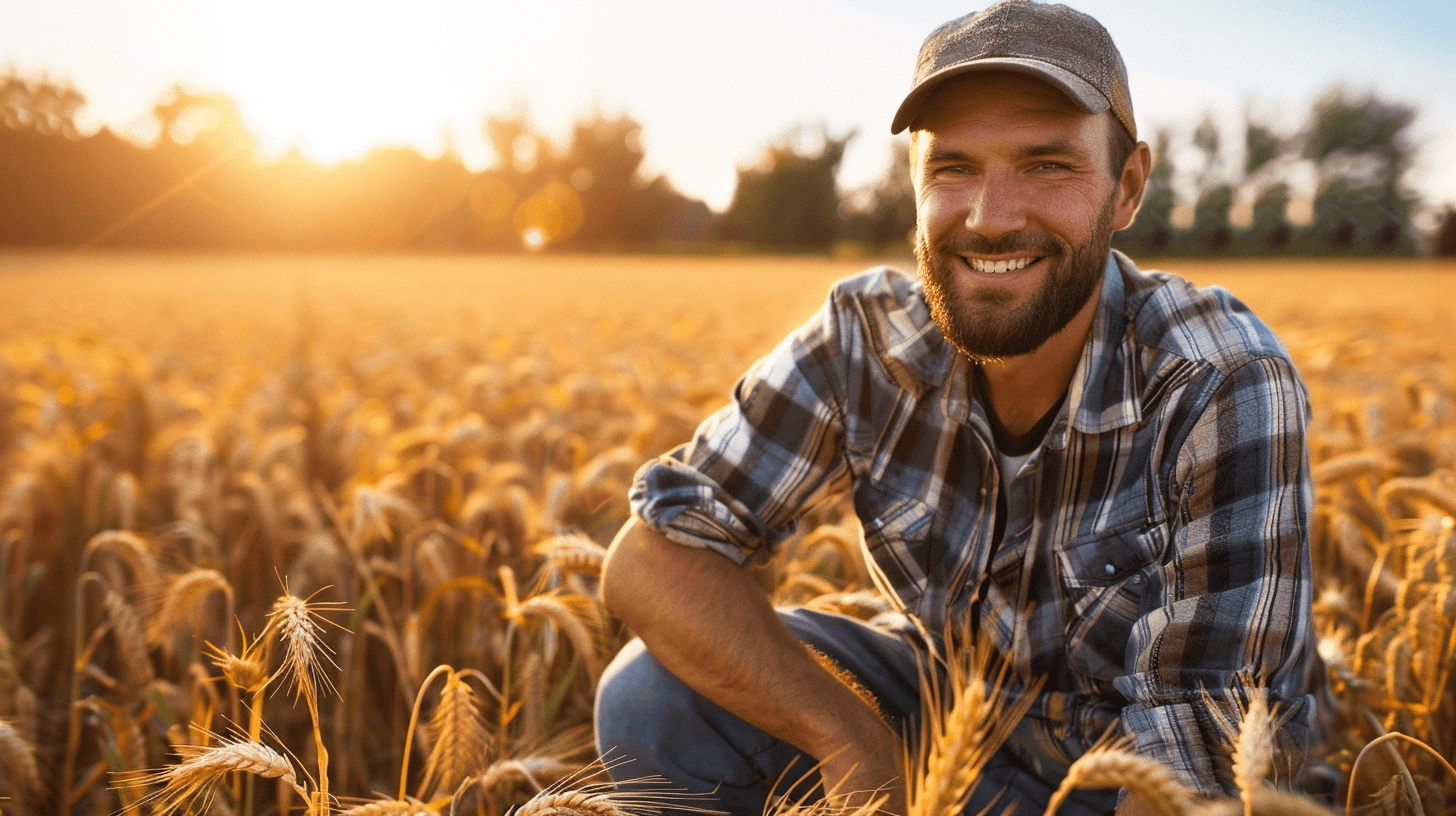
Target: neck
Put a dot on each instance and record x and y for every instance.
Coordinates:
(1021, 390)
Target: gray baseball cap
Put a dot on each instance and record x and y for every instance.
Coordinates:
(1063, 46)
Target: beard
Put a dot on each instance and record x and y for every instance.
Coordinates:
(985, 324)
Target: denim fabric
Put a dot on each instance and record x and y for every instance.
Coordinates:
(654, 725)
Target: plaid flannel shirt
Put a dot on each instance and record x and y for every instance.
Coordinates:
(1155, 546)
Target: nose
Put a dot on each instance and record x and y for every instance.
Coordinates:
(995, 208)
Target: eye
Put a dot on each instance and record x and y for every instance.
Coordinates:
(953, 170)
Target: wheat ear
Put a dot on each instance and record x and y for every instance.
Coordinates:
(295, 623)
(460, 740)
(644, 796)
(130, 641)
(196, 778)
(130, 549)
(558, 609)
(182, 598)
(17, 759)
(1267, 802)
(1114, 765)
(1352, 466)
(956, 743)
(1253, 753)
(302, 637)
(389, 807)
(530, 770)
(573, 553)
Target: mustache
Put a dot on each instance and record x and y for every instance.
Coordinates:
(1023, 243)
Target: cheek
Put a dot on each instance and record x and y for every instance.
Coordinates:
(934, 210)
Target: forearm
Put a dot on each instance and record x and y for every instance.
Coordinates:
(708, 622)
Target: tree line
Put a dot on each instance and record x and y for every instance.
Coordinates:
(198, 187)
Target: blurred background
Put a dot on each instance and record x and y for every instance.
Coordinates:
(296, 299)
(445, 125)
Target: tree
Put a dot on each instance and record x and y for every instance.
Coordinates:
(886, 218)
(1261, 146)
(790, 200)
(1211, 230)
(621, 207)
(1362, 150)
(1151, 231)
(1445, 244)
(1270, 229)
(40, 105)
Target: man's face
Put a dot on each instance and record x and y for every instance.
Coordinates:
(1015, 211)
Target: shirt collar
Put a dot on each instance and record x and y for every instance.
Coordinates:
(1103, 394)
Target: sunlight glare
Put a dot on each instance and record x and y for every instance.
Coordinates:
(335, 79)
(534, 238)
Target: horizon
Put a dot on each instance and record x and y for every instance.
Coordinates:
(313, 76)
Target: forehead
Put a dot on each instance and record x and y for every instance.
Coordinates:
(998, 98)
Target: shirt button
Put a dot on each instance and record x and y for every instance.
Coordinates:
(983, 492)
(1110, 570)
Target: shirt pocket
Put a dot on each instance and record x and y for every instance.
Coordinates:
(1106, 578)
(896, 529)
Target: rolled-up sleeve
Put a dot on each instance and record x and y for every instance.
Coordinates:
(755, 466)
(1235, 597)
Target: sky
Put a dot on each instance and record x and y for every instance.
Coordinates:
(712, 82)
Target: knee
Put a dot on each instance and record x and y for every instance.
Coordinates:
(632, 695)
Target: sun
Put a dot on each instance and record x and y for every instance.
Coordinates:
(334, 79)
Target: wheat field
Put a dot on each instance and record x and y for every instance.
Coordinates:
(312, 535)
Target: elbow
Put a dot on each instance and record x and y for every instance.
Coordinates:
(626, 563)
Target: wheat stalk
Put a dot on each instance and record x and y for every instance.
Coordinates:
(293, 620)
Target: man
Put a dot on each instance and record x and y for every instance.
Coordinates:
(1102, 470)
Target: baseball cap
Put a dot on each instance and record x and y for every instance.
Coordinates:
(1052, 42)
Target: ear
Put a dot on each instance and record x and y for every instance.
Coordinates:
(916, 137)
(1130, 185)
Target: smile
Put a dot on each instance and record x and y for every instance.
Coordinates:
(999, 267)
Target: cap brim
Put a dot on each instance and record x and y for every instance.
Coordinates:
(1079, 90)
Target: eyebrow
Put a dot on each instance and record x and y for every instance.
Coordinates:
(941, 154)
(1055, 147)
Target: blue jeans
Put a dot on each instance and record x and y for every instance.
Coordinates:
(655, 725)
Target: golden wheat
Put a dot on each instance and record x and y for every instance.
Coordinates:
(1114, 765)
(460, 742)
(402, 443)
(202, 770)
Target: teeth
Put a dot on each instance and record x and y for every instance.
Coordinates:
(998, 267)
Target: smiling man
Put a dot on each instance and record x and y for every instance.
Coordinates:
(1099, 472)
